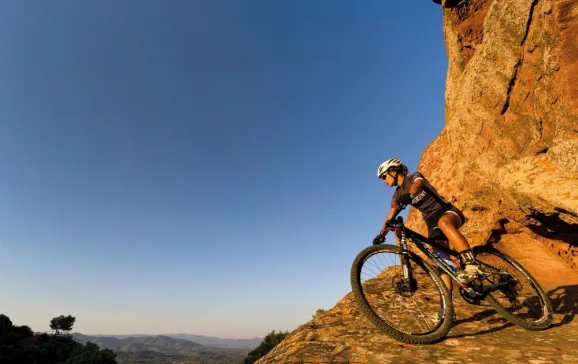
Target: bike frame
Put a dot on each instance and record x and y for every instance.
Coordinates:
(420, 241)
(404, 233)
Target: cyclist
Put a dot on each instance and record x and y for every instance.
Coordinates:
(439, 214)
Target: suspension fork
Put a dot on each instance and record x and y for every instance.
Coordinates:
(404, 260)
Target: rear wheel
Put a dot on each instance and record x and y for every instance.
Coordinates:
(418, 312)
(521, 299)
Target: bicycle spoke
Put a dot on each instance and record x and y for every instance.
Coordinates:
(519, 296)
(410, 314)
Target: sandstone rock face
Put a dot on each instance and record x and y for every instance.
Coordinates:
(508, 157)
(508, 154)
(343, 335)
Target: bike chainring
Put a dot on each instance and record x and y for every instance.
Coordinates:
(475, 298)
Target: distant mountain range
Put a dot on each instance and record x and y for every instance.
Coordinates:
(162, 344)
(163, 347)
(198, 341)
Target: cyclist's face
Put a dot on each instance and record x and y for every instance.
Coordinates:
(388, 179)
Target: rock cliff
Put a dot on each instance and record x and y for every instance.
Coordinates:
(508, 153)
(507, 157)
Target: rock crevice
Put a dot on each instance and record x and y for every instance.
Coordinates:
(520, 60)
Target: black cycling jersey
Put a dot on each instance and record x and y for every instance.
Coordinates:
(428, 201)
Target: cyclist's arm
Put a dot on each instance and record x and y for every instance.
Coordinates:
(384, 228)
(416, 186)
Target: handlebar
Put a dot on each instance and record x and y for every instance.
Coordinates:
(395, 220)
(392, 224)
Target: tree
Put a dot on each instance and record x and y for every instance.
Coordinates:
(23, 331)
(62, 323)
(269, 342)
(319, 312)
(90, 353)
(5, 324)
(19, 344)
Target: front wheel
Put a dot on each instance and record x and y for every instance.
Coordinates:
(519, 297)
(416, 312)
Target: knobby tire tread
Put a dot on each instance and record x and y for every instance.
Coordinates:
(530, 326)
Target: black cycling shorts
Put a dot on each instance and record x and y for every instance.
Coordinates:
(436, 233)
(432, 222)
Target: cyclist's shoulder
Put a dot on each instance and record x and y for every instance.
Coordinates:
(415, 176)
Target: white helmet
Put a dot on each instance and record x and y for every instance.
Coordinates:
(385, 166)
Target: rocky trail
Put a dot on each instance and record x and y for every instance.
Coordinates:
(479, 335)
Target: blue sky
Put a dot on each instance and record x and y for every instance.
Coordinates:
(202, 167)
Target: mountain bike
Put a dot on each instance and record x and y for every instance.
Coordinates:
(407, 299)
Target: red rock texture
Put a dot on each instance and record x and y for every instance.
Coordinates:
(508, 153)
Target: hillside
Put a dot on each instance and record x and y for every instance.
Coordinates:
(163, 344)
(343, 335)
(203, 340)
(149, 348)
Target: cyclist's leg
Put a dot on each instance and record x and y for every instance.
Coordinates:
(447, 280)
(433, 232)
(445, 256)
(449, 223)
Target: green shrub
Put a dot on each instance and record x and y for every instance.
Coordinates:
(19, 345)
(269, 342)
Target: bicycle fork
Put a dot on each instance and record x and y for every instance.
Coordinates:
(409, 284)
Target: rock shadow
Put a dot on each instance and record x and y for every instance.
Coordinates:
(553, 227)
(564, 301)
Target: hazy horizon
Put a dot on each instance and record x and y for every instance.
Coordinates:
(169, 334)
(203, 167)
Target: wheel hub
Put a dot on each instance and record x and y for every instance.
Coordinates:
(404, 287)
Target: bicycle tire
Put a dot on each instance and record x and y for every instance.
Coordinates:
(547, 313)
(429, 338)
